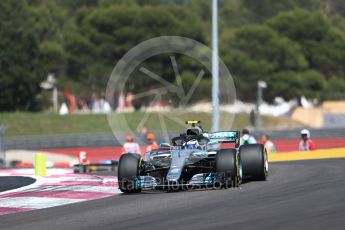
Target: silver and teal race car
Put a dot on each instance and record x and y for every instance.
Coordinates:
(193, 159)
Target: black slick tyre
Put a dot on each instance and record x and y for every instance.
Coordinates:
(128, 172)
(227, 165)
(254, 162)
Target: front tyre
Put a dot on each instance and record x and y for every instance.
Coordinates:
(228, 165)
(128, 172)
(254, 162)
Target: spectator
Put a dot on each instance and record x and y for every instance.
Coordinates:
(71, 99)
(143, 131)
(247, 138)
(268, 144)
(95, 104)
(306, 144)
(130, 146)
(152, 144)
(105, 106)
(83, 105)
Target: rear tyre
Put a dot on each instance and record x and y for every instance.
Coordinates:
(227, 165)
(254, 162)
(128, 172)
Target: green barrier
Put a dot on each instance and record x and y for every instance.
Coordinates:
(40, 164)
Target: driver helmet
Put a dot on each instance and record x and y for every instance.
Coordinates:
(193, 144)
(195, 130)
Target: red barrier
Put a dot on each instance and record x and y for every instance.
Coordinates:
(94, 154)
(97, 154)
(320, 143)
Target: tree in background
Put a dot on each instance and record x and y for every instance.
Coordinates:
(297, 46)
(20, 58)
(296, 52)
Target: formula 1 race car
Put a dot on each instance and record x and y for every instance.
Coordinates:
(193, 160)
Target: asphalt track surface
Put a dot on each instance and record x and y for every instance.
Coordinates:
(13, 182)
(297, 195)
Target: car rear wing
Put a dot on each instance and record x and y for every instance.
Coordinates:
(224, 137)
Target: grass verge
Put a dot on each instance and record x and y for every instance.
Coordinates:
(23, 124)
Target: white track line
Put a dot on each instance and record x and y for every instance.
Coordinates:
(35, 202)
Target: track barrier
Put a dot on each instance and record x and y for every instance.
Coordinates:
(307, 155)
